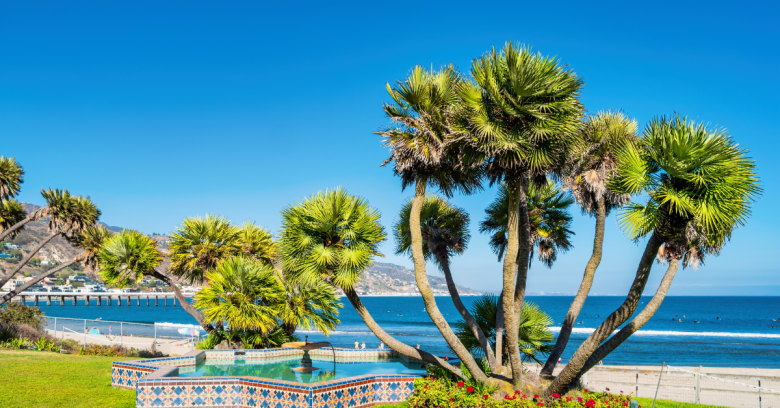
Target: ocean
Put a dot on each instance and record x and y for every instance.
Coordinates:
(733, 331)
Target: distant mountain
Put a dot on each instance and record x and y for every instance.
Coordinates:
(381, 278)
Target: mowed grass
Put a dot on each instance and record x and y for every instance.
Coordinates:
(648, 402)
(43, 379)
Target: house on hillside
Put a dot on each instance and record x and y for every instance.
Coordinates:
(8, 245)
(12, 285)
(4, 256)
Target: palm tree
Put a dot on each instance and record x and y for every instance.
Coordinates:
(11, 213)
(257, 243)
(521, 110)
(534, 331)
(312, 306)
(68, 216)
(587, 170)
(126, 257)
(700, 186)
(332, 237)
(90, 241)
(199, 244)
(422, 145)
(242, 294)
(11, 178)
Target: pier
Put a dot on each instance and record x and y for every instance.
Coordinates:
(99, 297)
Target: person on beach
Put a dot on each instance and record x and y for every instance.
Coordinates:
(357, 345)
(418, 346)
(363, 345)
(381, 345)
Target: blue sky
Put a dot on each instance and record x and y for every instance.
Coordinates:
(163, 110)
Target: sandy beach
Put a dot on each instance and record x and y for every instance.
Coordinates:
(173, 347)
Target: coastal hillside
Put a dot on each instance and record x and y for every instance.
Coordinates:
(380, 279)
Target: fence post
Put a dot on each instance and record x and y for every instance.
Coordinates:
(759, 393)
(659, 382)
(698, 387)
(55, 327)
(85, 333)
(121, 333)
(637, 383)
(154, 345)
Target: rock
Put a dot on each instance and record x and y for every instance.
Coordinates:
(225, 345)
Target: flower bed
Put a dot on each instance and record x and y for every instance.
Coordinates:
(436, 392)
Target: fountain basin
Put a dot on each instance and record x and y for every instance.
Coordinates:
(362, 378)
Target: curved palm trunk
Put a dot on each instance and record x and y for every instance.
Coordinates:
(14, 227)
(8, 296)
(425, 288)
(500, 331)
(582, 293)
(183, 301)
(514, 273)
(26, 259)
(635, 323)
(391, 342)
(475, 329)
(566, 378)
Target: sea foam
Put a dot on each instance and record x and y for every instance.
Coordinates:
(588, 330)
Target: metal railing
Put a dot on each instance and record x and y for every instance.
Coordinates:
(723, 387)
(151, 337)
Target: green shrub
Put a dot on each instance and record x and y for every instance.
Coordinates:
(15, 313)
(209, 342)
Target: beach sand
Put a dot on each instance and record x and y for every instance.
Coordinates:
(172, 347)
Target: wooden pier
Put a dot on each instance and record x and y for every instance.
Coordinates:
(99, 297)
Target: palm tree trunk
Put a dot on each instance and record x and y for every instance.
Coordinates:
(517, 246)
(475, 329)
(500, 331)
(566, 378)
(582, 293)
(14, 227)
(425, 288)
(394, 344)
(26, 259)
(183, 301)
(635, 323)
(8, 296)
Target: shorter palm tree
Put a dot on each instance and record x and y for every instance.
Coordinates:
(242, 294)
(199, 244)
(312, 306)
(11, 213)
(11, 177)
(535, 337)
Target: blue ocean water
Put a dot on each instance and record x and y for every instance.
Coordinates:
(734, 331)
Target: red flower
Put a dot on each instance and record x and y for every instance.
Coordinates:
(541, 404)
(460, 383)
(579, 399)
(525, 396)
(508, 397)
(470, 390)
(568, 399)
(556, 395)
(621, 392)
(536, 396)
(607, 389)
(586, 390)
(590, 403)
(517, 392)
(445, 358)
(486, 396)
(426, 386)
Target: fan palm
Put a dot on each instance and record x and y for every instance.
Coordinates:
(700, 186)
(126, 257)
(549, 218)
(11, 213)
(588, 167)
(11, 177)
(535, 337)
(68, 216)
(200, 243)
(242, 293)
(90, 241)
(521, 110)
(257, 243)
(312, 306)
(424, 143)
(332, 237)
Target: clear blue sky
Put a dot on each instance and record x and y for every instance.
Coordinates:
(163, 110)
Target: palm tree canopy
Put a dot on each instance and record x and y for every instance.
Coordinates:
(536, 339)
(11, 212)
(591, 161)
(68, 214)
(330, 236)
(549, 217)
(257, 243)
(124, 258)
(311, 306)
(199, 243)
(90, 241)
(422, 136)
(521, 110)
(444, 230)
(699, 183)
(11, 177)
(242, 293)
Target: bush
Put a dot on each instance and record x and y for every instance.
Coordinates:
(117, 351)
(432, 392)
(15, 313)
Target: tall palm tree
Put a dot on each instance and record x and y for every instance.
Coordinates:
(11, 213)
(549, 219)
(68, 216)
(332, 237)
(242, 294)
(11, 177)
(126, 257)
(534, 331)
(521, 110)
(589, 165)
(89, 241)
(422, 142)
(700, 186)
(199, 244)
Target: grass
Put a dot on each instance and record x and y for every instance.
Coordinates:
(648, 402)
(42, 379)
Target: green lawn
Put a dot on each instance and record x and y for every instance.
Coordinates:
(648, 402)
(41, 379)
